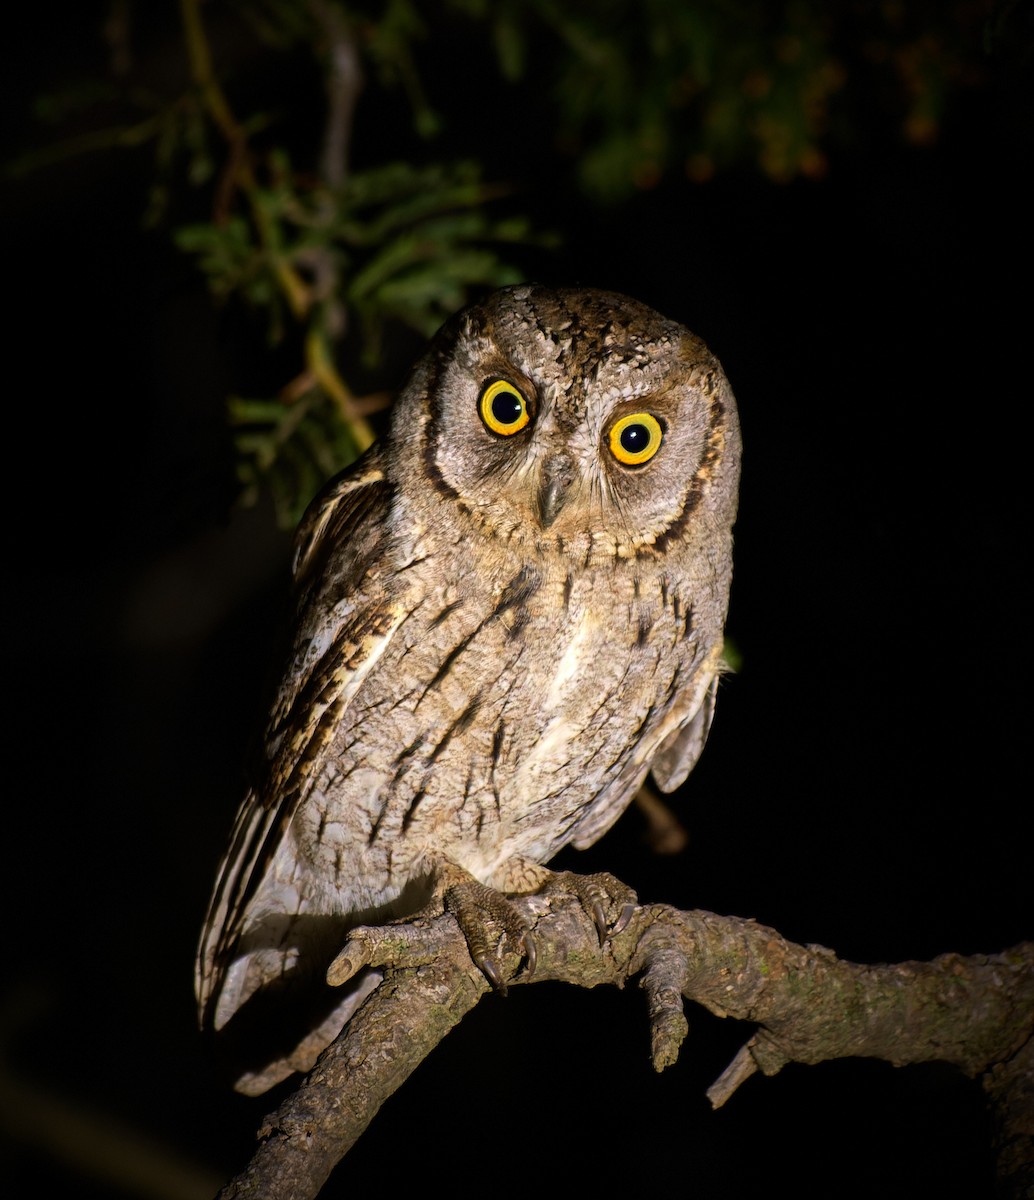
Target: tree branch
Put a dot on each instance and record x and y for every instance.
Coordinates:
(976, 1012)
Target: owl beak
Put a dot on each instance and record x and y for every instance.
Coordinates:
(557, 477)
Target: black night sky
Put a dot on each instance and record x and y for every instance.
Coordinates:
(866, 783)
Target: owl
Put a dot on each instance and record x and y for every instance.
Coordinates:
(508, 614)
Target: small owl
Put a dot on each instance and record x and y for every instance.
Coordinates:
(508, 613)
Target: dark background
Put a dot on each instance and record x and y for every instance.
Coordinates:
(865, 785)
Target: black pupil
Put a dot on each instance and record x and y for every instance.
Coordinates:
(506, 408)
(635, 438)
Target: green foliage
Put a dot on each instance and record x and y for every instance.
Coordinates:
(643, 88)
(289, 449)
(634, 90)
(316, 259)
(415, 241)
(395, 243)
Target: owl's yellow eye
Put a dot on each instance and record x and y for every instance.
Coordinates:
(635, 439)
(503, 409)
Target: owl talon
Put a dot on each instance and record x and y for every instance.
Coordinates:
(600, 895)
(621, 924)
(600, 920)
(490, 923)
(492, 973)
(605, 930)
(530, 954)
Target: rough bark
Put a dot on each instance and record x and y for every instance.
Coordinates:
(976, 1012)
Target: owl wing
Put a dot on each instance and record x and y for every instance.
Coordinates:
(335, 646)
(669, 750)
(678, 753)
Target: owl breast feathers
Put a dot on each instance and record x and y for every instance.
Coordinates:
(508, 613)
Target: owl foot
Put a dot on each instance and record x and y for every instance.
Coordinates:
(491, 925)
(609, 902)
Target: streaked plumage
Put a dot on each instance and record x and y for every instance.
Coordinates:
(501, 629)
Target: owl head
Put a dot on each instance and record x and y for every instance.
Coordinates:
(573, 420)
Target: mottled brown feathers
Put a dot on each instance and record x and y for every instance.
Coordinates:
(504, 618)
